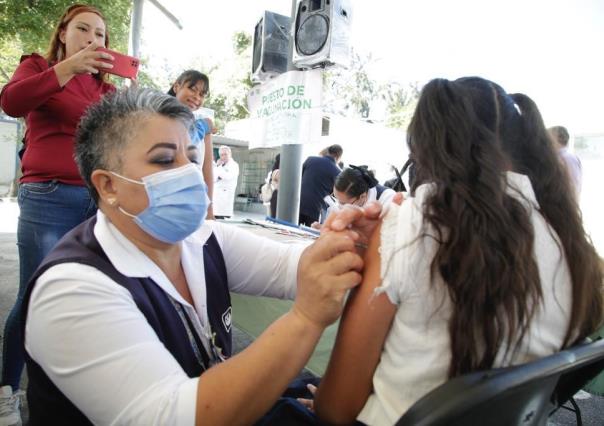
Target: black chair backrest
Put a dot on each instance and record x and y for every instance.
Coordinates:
(588, 363)
(519, 395)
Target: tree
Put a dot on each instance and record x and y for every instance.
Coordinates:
(350, 92)
(401, 102)
(354, 93)
(27, 25)
(230, 82)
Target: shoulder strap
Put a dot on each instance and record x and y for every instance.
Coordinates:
(399, 185)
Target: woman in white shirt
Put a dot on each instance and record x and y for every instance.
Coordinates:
(482, 267)
(128, 319)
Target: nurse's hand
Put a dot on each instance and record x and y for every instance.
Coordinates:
(328, 268)
(362, 220)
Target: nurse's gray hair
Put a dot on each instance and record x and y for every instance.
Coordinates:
(109, 125)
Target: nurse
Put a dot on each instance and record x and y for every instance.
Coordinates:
(128, 320)
(226, 173)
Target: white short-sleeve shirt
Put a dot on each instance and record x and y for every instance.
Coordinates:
(416, 354)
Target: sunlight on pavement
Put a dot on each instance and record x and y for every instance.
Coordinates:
(9, 213)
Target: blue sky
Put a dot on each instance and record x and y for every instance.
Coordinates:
(552, 50)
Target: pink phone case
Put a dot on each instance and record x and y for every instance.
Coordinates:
(123, 65)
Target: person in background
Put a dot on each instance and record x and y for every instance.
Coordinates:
(129, 320)
(225, 175)
(51, 92)
(318, 177)
(275, 175)
(571, 161)
(191, 88)
(357, 186)
(486, 265)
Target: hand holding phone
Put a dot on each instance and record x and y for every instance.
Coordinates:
(123, 65)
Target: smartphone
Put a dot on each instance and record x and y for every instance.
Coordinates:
(123, 65)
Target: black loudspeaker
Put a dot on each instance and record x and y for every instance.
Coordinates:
(322, 33)
(271, 44)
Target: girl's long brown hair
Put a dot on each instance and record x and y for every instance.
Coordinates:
(56, 48)
(464, 135)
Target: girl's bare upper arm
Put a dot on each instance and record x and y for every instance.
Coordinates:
(367, 317)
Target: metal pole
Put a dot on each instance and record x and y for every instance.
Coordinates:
(288, 197)
(137, 22)
(167, 13)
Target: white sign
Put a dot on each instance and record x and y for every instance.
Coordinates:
(286, 109)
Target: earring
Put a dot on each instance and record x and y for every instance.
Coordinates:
(111, 201)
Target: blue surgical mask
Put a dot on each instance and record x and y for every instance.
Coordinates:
(178, 203)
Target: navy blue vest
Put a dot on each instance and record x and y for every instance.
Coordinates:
(379, 189)
(47, 404)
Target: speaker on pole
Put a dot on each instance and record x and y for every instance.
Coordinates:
(270, 48)
(322, 33)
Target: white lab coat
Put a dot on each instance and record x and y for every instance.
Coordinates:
(225, 184)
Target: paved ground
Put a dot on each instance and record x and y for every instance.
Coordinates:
(592, 407)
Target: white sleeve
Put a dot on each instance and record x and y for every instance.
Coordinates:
(329, 200)
(259, 266)
(96, 346)
(405, 253)
(331, 209)
(386, 196)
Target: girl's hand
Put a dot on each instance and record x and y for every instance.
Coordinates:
(309, 403)
(211, 128)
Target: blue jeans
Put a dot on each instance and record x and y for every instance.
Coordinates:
(48, 210)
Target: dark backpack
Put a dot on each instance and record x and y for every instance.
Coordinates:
(397, 183)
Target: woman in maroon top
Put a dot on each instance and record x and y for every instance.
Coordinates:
(52, 93)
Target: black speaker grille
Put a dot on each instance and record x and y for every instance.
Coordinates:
(312, 34)
(257, 49)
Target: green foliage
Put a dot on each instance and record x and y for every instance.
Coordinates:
(27, 25)
(144, 79)
(231, 82)
(10, 52)
(354, 93)
(401, 103)
(241, 41)
(349, 92)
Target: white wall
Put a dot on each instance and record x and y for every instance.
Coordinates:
(9, 132)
